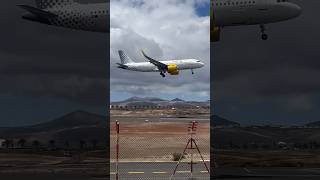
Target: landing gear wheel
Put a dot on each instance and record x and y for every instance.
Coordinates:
(264, 36)
(162, 74)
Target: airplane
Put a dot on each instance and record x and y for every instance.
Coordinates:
(69, 14)
(250, 12)
(169, 66)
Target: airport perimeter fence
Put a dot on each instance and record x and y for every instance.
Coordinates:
(152, 150)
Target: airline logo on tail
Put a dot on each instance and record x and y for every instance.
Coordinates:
(124, 58)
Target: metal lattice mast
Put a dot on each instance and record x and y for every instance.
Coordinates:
(193, 145)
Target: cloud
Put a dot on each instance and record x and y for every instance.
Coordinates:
(165, 30)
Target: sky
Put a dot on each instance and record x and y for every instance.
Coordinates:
(269, 82)
(167, 29)
(46, 71)
(49, 71)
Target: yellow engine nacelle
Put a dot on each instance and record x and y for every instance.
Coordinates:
(215, 34)
(214, 30)
(173, 69)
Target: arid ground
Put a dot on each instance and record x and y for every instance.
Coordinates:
(155, 135)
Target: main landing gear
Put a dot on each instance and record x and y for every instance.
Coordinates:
(162, 74)
(264, 36)
(192, 71)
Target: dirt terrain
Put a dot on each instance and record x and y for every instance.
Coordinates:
(152, 139)
(47, 163)
(198, 112)
(264, 158)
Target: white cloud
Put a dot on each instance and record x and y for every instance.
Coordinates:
(166, 29)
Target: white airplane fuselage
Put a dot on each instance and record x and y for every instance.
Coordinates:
(89, 17)
(183, 64)
(70, 14)
(250, 12)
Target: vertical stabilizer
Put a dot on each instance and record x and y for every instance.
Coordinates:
(124, 58)
(45, 4)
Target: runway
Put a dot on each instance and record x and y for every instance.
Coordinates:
(164, 170)
(159, 170)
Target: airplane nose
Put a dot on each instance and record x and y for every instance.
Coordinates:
(294, 10)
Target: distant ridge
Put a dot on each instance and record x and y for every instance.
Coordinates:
(134, 99)
(313, 124)
(70, 120)
(219, 121)
(73, 127)
(153, 101)
(177, 99)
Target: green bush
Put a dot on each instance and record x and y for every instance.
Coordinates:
(177, 156)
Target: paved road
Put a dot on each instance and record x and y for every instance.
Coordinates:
(159, 170)
(220, 173)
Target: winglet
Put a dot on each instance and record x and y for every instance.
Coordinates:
(143, 53)
(149, 58)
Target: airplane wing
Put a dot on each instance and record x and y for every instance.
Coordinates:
(161, 66)
(37, 12)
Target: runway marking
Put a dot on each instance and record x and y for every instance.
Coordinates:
(136, 172)
(183, 172)
(204, 172)
(159, 172)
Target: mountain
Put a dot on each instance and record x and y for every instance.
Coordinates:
(219, 121)
(73, 127)
(152, 101)
(177, 99)
(140, 99)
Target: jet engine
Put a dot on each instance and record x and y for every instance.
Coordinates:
(173, 69)
(214, 30)
(215, 34)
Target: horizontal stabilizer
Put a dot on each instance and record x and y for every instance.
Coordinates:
(122, 66)
(38, 12)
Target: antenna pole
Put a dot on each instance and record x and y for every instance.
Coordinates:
(117, 150)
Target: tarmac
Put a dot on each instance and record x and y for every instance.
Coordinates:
(162, 171)
(159, 170)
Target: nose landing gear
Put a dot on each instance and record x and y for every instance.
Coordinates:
(264, 36)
